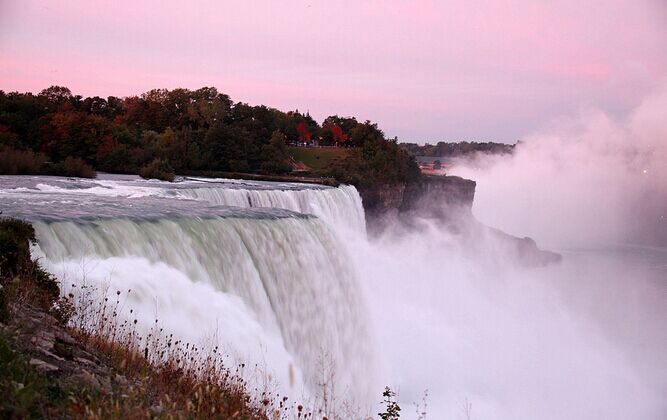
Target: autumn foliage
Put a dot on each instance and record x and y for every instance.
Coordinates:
(304, 134)
(163, 132)
(337, 134)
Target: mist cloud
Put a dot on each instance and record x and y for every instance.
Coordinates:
(586, 180)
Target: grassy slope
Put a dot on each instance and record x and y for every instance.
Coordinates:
(317, 158)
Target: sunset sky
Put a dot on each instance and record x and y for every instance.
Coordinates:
(424, 70)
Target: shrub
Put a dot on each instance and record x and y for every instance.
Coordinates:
(72, 166)
(392, 409)
(26, 162)
(20, 162)
(15, 239)
(158, 169)
(21, 278)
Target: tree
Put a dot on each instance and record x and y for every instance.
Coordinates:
(366, 133)
(75, 134)
(302, 131)
(375, 161)
(332, 134)
(56, 98)
(7, 137)
(275, 156)
(347, 124)
(229, 148)
(172, 146)
(94, 105)
(299, 127)
(201, 130)
(208, 107)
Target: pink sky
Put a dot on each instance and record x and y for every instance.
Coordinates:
(424, 70)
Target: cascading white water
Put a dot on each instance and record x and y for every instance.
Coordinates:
(340, 207)
(274, 288)
(292, 273)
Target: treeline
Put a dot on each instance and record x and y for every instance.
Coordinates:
(165, 131)
(462, 148)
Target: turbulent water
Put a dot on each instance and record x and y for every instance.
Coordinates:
(283, 277)
(340, 207)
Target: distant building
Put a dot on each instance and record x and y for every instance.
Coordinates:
(433, 165)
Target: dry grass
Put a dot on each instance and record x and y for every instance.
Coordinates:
(167, 378)
(176, 379)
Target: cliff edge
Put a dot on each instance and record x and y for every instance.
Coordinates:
(447, 201)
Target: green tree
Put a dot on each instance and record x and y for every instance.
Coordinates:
(229, 148)
(56, 98)
(275, 155)
(367, 132)
(172, 146)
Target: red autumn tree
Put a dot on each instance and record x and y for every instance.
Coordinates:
(334, 133)
(302, 130)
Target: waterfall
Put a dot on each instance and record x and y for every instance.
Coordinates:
(340, 207)
(291, 274)
(257, 268)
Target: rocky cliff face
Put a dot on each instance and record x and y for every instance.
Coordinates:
(446, 200)
(439, 197)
